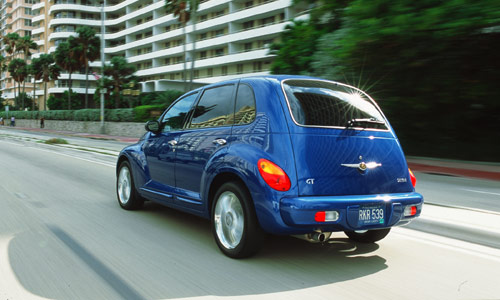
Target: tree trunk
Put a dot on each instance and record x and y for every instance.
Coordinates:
(21, 95)
(24, 92)
(15, 99)
(45, 96)
(69, 91)
(117, 96)
(34, 95)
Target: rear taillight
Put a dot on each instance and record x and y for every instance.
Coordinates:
(326, 216)
(410, 210)
(273, 175)
(412, 178)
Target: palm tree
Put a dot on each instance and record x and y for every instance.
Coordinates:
(120, 72)
(10, 40)
(89, 47)
(18, 71)
(3, 64)
(36, 76)
(3, 67)
(25, 44)
(66, 56)
(47, 71)
(184, 9)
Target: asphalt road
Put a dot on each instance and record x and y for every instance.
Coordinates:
(63, 236)
(460, 191)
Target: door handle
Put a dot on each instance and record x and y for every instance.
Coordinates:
(220, 141)
(172, 142)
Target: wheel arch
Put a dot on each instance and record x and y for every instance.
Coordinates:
(121, 159)
(218, 181)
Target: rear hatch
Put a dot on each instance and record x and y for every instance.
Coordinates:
(342, 143)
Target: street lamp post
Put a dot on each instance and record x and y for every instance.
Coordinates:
(102, 65)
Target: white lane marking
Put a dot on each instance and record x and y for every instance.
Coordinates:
(10, 287)
(10, 143)
(67, 155)
(90, 150)
(481, 192)
(73, 156)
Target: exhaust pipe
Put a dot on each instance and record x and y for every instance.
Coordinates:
(315, 237)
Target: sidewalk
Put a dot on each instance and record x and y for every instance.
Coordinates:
(123, 139)
(480, 170)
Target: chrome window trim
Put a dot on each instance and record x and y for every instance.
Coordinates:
(333, 127)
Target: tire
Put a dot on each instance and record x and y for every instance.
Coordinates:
(369, 236)
(128, 198)
(234, 222)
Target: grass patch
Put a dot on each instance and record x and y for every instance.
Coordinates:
(56, 141)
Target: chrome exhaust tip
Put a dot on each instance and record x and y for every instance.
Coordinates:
(315, 237)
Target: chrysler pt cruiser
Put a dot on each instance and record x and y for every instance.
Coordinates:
(283, 155)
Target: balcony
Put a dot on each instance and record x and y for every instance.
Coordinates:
(37, 19)
(39, 5)
(38, 30)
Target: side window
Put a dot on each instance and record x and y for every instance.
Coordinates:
(244, 112)
(215, 108)
(175, 116)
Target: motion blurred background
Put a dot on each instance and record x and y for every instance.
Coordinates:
(433, 66)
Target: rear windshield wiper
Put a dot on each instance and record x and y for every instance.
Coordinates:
(351, 122)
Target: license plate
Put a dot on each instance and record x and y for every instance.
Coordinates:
(371, 215)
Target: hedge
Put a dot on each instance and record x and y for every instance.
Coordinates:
(137, 114)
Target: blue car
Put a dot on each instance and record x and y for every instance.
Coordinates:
(282, 155)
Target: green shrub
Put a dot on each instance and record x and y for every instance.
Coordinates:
(147, 112)
(87, 115)
(164, 98)
(120, 115)
(56, 141)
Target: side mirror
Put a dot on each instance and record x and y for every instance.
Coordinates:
(153, 126)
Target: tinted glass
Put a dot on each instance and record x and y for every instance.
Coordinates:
(320, 103)
(176, 115)
(215, 108)
(245, 105)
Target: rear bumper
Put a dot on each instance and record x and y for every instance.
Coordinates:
(300, 212)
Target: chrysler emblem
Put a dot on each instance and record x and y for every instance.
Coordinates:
(362, 166)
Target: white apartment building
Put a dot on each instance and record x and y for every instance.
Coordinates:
(230, 38)
(15, 17)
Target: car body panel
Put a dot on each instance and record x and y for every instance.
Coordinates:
(196, 163)
(195, 149)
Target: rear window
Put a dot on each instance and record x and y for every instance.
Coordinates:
(328, 104)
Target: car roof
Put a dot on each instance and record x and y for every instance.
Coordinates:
(272, 78)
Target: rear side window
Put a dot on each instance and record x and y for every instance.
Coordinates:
(244, 112)
(327, 104)
(215, 108)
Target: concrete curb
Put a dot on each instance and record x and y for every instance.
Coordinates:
(466, 224)
(457, 231)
